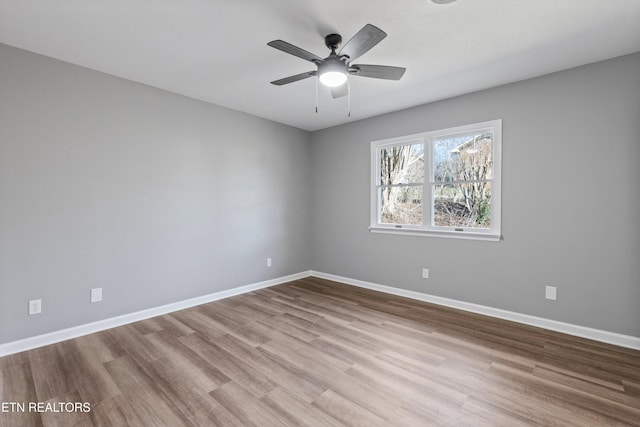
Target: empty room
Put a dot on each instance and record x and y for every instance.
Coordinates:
(320, 213)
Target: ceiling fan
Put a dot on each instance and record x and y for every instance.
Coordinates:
(333, 71)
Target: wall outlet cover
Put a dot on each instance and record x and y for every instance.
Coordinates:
(550, 292)
(96, 294)
(35, 306)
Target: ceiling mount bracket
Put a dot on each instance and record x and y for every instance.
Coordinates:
(332, 41)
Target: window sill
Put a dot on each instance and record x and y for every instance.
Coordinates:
(437, 233)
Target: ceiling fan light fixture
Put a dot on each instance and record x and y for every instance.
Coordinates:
(332, 72)
(333, 78)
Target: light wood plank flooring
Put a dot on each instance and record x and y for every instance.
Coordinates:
(320, 353)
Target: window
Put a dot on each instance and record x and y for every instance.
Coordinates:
(441, 183)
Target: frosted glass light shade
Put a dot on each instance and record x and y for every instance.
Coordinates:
(333, 78)
(333, 72)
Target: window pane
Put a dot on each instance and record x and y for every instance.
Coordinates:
(462, 205)
(402, 164)
(468, 158)
(401, 205)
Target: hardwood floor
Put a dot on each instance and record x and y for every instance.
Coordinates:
(320, 353)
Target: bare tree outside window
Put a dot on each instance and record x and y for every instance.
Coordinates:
(462, 181)
(401, 178)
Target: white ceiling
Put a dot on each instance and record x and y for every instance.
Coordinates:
(216, 50)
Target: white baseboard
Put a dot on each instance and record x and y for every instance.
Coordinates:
(89, 328)
(567, 328)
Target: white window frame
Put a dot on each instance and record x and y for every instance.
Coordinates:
(427, 228)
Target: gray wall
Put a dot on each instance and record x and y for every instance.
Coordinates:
(158, 198)
(152, 196)
(571, 201)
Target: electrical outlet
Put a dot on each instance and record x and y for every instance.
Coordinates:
(35, 306)
(96, 294)
(550, 292)
(268, 262)
(425, 273)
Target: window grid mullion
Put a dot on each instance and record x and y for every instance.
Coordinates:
(427, 207)
(474, 181)
(411, 184)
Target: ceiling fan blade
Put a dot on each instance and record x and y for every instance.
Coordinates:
(377, 71)
(295, 78)
(295, 51)
(339, 91)
(365, 39)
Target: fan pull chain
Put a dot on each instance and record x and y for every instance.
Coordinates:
(317, 78)
(348, 97)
